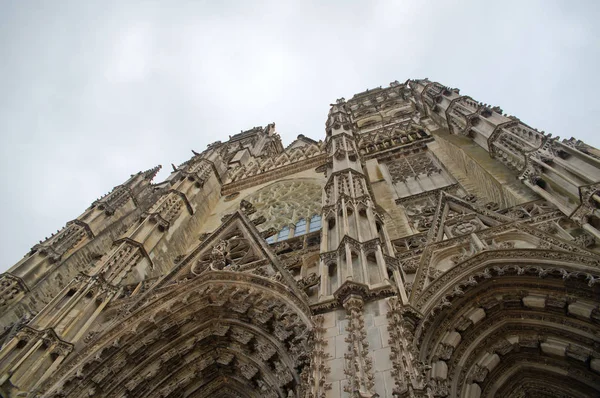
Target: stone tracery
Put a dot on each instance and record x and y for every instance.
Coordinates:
(458, 257)
(287, 202)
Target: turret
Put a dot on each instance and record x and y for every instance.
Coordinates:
(354, 240)
(566, 173)
(49, 254)
(69, 320)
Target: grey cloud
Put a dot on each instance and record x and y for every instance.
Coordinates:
(94, 91)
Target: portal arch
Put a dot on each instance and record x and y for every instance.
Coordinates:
(219, 331)
(504, 311)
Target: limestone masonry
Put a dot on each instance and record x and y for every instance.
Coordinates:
(428, 246)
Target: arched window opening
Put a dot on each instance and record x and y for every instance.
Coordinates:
(71, 292)
(331, 223)
(373, 269)
(300, 227)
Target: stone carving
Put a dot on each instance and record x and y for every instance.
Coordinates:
(409, 167)
(55, 247)
(230, 254)
(285, 203)
(309, 281)
(114, 200)
(456, 282)
(315, 375)
(359, 365)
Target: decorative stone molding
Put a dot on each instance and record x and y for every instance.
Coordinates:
(359, 365)
(272, 175)
(315, 375)
(114, 200)
(64, 240)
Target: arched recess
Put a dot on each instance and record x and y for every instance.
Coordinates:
(220, 334)
(504, 322)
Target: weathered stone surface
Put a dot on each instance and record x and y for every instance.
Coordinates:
(428, 246)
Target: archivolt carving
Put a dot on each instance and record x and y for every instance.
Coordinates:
(246, 328)
(541, 263)
(286, 202)
(479, 339)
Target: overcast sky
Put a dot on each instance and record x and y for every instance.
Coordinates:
(93, 91)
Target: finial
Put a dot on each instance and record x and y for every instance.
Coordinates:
(195, 153)
(151, 173)
(174, 167)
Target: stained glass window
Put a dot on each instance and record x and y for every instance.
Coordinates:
(300, 228)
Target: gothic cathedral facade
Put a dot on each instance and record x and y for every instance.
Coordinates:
(429, 246)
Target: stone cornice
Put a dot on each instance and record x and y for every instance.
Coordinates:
(400, 150)
(433, 192)
(275, 174)
(367, 295)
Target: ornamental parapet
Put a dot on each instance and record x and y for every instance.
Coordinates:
(274, 174)
(112, 201)
(65, 239)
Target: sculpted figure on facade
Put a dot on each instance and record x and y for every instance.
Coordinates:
(428, 245)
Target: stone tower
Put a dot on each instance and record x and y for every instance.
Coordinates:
(428, 246)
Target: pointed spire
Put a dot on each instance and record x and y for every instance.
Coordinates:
(195, 153)
(174, 167)
(151, 173)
